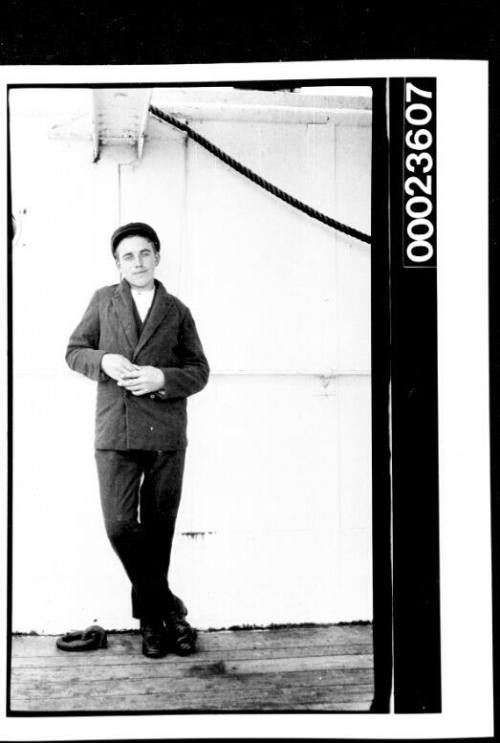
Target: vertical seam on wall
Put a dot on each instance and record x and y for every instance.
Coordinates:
(119, 193)
(183, 247)
(338, 406)
(185, 218)
(336, 284)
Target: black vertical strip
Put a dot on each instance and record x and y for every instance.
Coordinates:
(381, 498)
(494, 368)
(9, 237)
(417, 662)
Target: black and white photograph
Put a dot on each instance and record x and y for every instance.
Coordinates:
(214, 292)
(232, 327)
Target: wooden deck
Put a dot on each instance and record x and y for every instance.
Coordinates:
(292, 669)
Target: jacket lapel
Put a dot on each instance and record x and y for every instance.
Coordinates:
(122, 304)
(162, 305)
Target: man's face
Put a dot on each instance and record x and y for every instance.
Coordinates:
(137, 259)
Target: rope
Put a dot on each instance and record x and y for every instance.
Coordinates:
(314, 213)
(93, 638)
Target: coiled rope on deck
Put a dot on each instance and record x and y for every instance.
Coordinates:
(266, 185)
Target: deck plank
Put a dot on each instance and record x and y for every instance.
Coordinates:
(152, 670)
(134, 656)
(321, 668)
(26, 645)
(205, 695)
(29, 687)
(241, 704)
(256, 664)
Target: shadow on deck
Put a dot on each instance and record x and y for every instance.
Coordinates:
(287, 669)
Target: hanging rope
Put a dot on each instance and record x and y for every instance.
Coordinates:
(314, 213)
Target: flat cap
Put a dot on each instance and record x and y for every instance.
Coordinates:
(134, 228)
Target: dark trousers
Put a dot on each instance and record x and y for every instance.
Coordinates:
(140, 494)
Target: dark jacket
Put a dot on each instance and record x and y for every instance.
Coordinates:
(168, 340)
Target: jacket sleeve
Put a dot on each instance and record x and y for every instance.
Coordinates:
(83, 354)
(192, 375)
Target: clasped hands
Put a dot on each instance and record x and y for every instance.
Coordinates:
(139, 380)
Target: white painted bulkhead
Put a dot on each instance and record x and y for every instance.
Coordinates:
(275, 521)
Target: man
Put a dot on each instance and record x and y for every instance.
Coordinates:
(141, 345)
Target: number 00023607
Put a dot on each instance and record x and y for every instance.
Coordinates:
(418, 185)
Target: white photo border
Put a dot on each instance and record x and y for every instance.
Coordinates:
(464, 444)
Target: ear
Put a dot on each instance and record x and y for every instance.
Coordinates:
(157, 257)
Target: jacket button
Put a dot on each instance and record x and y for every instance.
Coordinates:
(152, 397)
(151, 428)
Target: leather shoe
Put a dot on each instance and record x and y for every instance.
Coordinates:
(176, 605)
(182, 637)
(153, 639)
